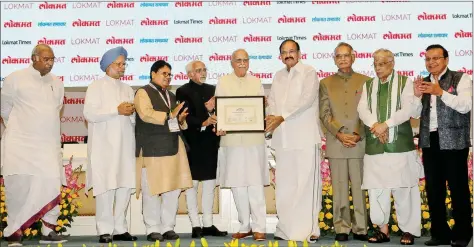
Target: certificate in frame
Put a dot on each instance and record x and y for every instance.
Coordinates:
(240, 114)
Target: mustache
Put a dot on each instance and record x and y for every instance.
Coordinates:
(288, 58)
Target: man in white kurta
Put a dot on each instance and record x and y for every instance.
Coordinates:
(293, 116)
(109, 111)
(391, 163)
(31, 149)
(242, 159)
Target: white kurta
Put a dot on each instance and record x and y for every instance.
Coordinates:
(294, 96)
(31, 147)
(391, 170)
(111, 144)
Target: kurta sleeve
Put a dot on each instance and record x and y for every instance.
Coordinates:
(144, 108)
(411, 106)
(325, 113)
(94, 110)
(191, 119)
(8, 94)
(309, 94)
(363, 108)
(462, 102)
(271, 101)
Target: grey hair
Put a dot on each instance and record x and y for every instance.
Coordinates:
(344, 44)
(383, 53)
(233, 53)
(189, 66)
(38, 48)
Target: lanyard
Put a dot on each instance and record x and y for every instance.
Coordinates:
(167, 96)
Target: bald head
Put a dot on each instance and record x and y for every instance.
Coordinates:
(240, 62)
(43, 58)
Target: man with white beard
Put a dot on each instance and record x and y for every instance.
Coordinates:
(109, 111)
(294, 118)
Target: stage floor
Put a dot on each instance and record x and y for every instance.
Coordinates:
(186, 240)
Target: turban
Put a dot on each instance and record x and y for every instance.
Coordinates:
(110, 56)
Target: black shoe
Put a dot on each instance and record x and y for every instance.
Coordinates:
(342, 237)
(361, 237)
(197, 232)
(124, 237)
(436, 242)
(154, 236)
(460, 243)
(105, 238)
(277, 238)
(170, 235)
(213, 231)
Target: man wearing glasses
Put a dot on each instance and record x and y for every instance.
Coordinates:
(242, 159)
(109, 111)
(447, 102)
(198, 97)
(294, 120)
(339, 95)
(31, 102)
(391, 163)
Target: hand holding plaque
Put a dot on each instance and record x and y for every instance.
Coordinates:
(240, 114)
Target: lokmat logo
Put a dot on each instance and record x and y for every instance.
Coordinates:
(406, 72)
(17, 24)
(257, 3)
(79, 59)
(9, 6)
(66, 138)
(262, 75)
(81, 23)
(252, 38)
(187, 57)
(467, 71)
(363, 54)
(391, 35)
(222, 39)
(153, 40)
(431, 17)
(73, 101)
(184, 40)
(462, 34)
(120, 5)
(216, 21)
(181, 76)
(359, 18)
(15, 60)
(52, 41)
(285, 19)
(322, 74)
(217, 57)
(151, 5)
(47, 5)
(83, 78)
(147, 58)
(397, 17)
(326, 37)
(148, 22)
(185, 4)
(119, 41)
(52, 24)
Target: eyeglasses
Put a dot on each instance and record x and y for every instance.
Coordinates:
(201, 70)
(383, 64)
(435, 59)
(125, 65)
(342, 56)
(240, 60)
(166, 74)
(288, 52)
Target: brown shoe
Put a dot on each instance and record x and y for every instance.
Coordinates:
(240, 235)
(258, 236)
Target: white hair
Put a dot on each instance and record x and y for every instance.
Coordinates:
(383, 53)
(233, 53)
(37, 49)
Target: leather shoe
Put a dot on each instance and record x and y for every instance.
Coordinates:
(342, 237)
(197, 232)
(258, 236)
(436, 242)
(124, 237)
(213, 231)
(361, 237)
(154, 236)
(240, 235)
(170, 235)
(105, 238)
(460, 243)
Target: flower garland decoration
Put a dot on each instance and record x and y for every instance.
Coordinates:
(68, 206)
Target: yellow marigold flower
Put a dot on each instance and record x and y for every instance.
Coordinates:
(2, 210)
(448, 200)
(2, 198)
(395, 228)
(328, 206)
(59, 222)
(350, 198)
(2, 194)
(324, 193)
(351, 206)
(69, 199)
(1, 234)
(63, 195)
(34, 232)
(427, 225)
(330, 191)
(65, 212)
(326, 227)
(58, 228)
(422, 188)
(79, 204)
(328, 200)
(328, 215)
(449, 192)
(366, 199)
(4, 219)
(27, 231)
(74, 196)
(62, 202)
(322, 224)
(451, 222)
(391, 199)
(423, 207)
(73, 207)
(449, 205)
(65, 221)
(60, 207)
(2, 204)
(68, 190)
(426, 215)
(321, 216)
(394, 216)
(2, 188)
(367, 205)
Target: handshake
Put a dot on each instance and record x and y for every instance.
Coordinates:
(126, 109)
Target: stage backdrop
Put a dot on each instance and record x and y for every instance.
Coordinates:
(178, 32)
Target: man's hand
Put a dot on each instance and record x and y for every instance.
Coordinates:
(182, 115)
(176, 110)
(347, 140)
(378, 129)
(273, 122)
(210, 104)
(125, 109)
(431, 88)
(219, 132)
(383, 138)
(210, 120)
(417, 86)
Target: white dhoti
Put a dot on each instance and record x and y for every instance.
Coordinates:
(298, 193)
(28, 199)
(397, 174)
(111, 211)
(207, 200)
(407, 206)
(159, 216)
(245, 170)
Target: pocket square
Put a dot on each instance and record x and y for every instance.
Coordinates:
(451, 89)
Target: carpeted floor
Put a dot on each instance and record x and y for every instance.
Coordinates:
(185, 241)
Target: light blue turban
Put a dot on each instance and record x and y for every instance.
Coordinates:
(110, 56)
